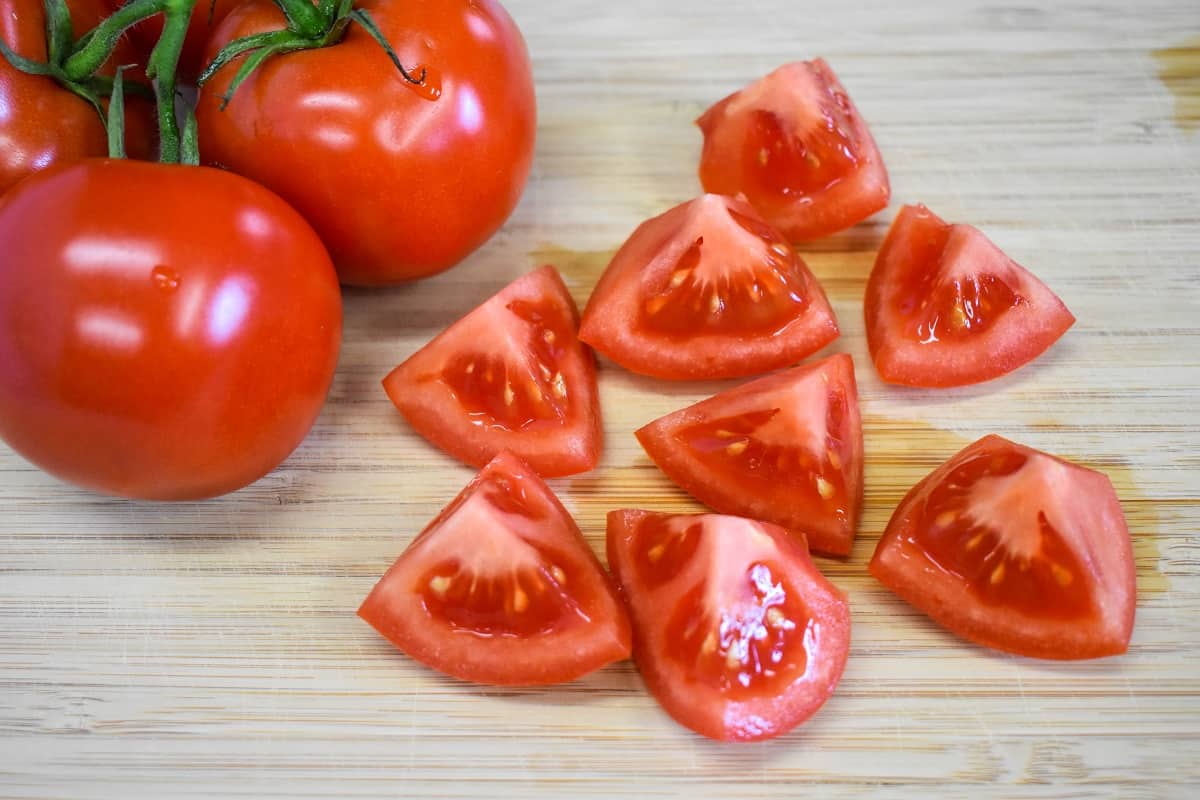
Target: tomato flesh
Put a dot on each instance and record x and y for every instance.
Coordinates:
(706, 290)
(501, 588)
(786, 448)
(1017, 550)
(735, 632)
(511, 375)
(945, 307)
(794, 144)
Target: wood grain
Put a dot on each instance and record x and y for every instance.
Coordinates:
(211, 648)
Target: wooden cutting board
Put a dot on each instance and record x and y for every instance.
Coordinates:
(211, 648)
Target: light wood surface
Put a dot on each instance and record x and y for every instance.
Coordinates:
(211, 649)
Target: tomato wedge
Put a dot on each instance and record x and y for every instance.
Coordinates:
(501, 588)
(736, 633)
(510, 375)
(1015, 549)
(945, 307)
(707, 290)
(787, 448)
(794, 144)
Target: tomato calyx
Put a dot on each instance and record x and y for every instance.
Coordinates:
(310, 27)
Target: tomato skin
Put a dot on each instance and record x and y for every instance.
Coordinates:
(928, 269)
(166, 332)
(1078, 507)
(451, 599)
(717, 452)
(800, 98)
(206, 16)
(469, 390)
(707, 290)
(42, 123)
(399, 186)
(671, 582)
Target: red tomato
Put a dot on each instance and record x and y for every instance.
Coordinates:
(945, 307)
(206, 16)
(1015, 549)
(43, 123)
(502, 588)
(787, 448)
(400, 181)
(736, 633)
(510, 375)
(707, 290)
(166, 332)
(795, 145)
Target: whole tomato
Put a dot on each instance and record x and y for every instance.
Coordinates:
(43, 122)
(206, 15)
(400, 180)
(166, 332)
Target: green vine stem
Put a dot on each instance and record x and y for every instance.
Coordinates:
(93, 49)
(309, 27)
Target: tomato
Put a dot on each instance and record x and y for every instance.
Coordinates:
(42, 122)
(166, 332)
(787, 448)
(735, 632)
(1014, 549)
(400, 181)
(502, 588)
(707, 290)
(945, 307)
(794, 144)
(206, 15)
(510, 375)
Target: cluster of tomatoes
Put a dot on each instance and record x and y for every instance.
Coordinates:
(171, 331)
(733, 627)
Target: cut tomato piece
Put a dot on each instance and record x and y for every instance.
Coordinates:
(707, 290)
(1015, 549)
(510, 375)
(736, 633)
(945, 307)
(501, 588)
(794, 144)
(787, 448)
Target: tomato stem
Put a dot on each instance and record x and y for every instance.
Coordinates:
(116, 116)
(309, 27)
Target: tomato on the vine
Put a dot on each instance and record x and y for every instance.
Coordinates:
(166, 332)
(206, 16)
(43, 123)
(401, 177)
